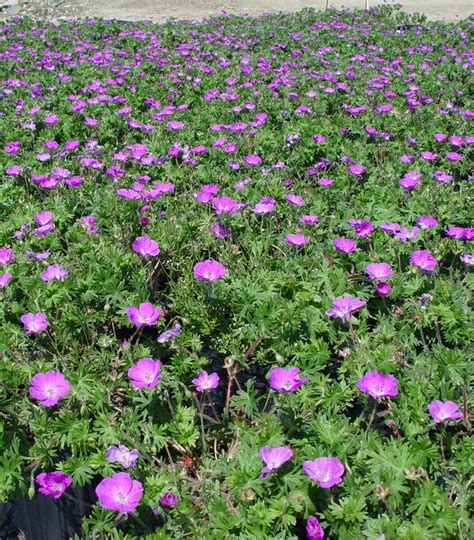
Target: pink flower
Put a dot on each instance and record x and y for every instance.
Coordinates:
(441, 411)
(119, 492)
(168, 499)
(362, 227)
(48, 388)
(145, 373)
(6, 256)
(34, 323)
(378, 271)
(344, 306)
(4, 279)
(146, 247)
(378, 385)
(205, 382)
(326, 471)
(424, 260)
(344, 245)
(314, 531)
(265, 205)
(88, 222)
(54, 271)
(308, 219)
(219, 231)
(274, 457)
(285, 379)
(144, 315)
(121, 454)
(54, 483)
(295, 200)
(296, 239)
(224, 205)
(209, 270)
(252, 160)
(383, 289)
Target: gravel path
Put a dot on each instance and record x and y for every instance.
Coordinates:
(160, 10)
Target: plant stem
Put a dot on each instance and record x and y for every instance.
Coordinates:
(372, 416)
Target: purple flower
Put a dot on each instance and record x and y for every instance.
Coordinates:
(378, 385)
(54, 271)
(274, 457)
(54, 483)
(410, 180)
(146, 247)
(344, 306)
(224, 205)
(168, 500)
(209, 270)
(427, 222)
(205, 382)
(314, 531)
(206, 193)
(441, 411)
(424, 260)
(121, 454)
(264, 206)
(308, 219)
(44, 217)
(252, 160)
(442, 177)
(356, 169)
(383, 289)
(48, 388)
(44, 230)
(219, 231)
(295, 200)
(119, 492)
(88, 222)
(326, 471)
(4, 279)
(145, 373)
(34, 323)
(296, 239)
(466, 258)
(285, 379)
(378, 271)
(454, 232)
(144, 315)
(170, 334)
(344, 245)
(362, 228)
(6, 256)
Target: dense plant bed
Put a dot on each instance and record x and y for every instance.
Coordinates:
(235, 274)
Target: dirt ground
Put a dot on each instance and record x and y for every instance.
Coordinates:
(160, 10)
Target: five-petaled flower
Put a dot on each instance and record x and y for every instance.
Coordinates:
(326, 471)
(274, 457)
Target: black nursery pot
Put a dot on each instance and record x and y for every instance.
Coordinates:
(46, 518)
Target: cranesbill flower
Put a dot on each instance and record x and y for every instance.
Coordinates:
(121, 454)
(424, 260)
(466, 258)
(34, 323)
(314, 531)
(344, 306)
(6, 256)
(224, 205)
(326, 471)
(205, 382)
(441, 411)
(378, 271)
(264, 206)
(362, 227)
(89, 224)
(219, 230)
(168, 500)
(53, 484)
(119, 492)
(383, 289)
(144, 315)
(356, 169)
(146, 247)
(308, 219)
(344, 245)
(296, 239)
(170, 334)
(43, 217)
(378, 385)
(54, 271)
(295, 200)
(4, 279)
(274, 457)
(285, 379)
(253, 160)
(454, 232)
(49, 387)
(427, 222)
(145, 373)
(209, 270)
